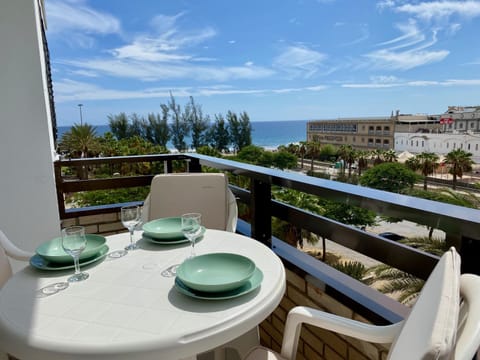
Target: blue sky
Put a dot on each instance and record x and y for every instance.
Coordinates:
(276, 60)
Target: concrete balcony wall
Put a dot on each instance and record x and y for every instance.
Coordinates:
(28, 206)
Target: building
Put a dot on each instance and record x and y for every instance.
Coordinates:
(362, 133)
(457, 128)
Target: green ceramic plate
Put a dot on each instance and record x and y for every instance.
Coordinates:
(43, 264)
(253, 283)
(171, 241)
(216, 272)
(53, 251)
(165, 228)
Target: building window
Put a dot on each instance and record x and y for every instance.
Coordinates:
(416, 143)
(454, 145)
(411, 142)
(423, 143)
(468, 146)
(476, 147)
(460, 125)
(447, 145)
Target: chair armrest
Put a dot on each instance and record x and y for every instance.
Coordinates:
(338, 324)
(468, 335)
(12, 251)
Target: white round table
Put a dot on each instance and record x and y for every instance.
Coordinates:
(128, 310)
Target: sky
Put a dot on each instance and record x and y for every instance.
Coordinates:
(276, 60)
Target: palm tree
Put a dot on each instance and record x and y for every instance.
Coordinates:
(426, 162)
(312, 149)
(458, 161)
(390, 155)
(362, 157)
(80, 139)
(348, 155)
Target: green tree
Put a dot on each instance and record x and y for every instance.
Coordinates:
(179, 126)
(80, 141)
(348, 155)
(284, 160)
(119, 125)
(250, 154)
(393, 177)
(158, 131)
(458, 161)
(198, 123)
(426, 163)
(313, 148)
(218, 136)
(245, 130)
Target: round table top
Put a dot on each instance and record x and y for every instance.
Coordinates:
(128, 308)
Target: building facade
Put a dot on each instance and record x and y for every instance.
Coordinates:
(361, 133)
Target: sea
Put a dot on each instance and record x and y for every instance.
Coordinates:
(267, 134)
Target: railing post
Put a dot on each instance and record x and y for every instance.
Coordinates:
(59, 186)
(194, 165)
(261, 208)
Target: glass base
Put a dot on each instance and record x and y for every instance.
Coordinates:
(117, 254)
(132, 246)
(78, 277)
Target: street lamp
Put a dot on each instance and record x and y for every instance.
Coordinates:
(80, 108)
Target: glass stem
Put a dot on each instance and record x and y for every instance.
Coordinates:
(193, 246)
(131, 236)
(77, 265)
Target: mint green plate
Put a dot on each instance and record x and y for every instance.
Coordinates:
(43, 264)
(172, 241)
(53, 252)
(169, 228)
(217, 272)
(253, 283)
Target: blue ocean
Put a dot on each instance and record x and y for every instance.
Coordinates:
(267, 134)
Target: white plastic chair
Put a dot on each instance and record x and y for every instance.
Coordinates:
(443, 324)
(206, 193)
(8, 249)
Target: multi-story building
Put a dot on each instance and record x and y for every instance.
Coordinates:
(362, 133)
(457, 128)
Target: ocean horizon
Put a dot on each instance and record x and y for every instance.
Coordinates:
(267, 134)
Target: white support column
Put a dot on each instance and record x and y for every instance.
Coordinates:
(28, 207)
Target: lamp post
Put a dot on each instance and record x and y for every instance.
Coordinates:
(80, 109)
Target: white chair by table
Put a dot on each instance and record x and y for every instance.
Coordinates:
(8, 249)
(206, 193)
(443, 324)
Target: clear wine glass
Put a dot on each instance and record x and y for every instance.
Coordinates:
(191, 228)
(74, 242)
(131, 217)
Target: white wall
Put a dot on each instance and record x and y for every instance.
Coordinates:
(28, 207)
(440, 144)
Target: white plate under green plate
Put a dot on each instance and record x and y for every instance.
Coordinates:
(52, 250)
(43, 264)
(253, 283)
(215, 272)
(171, 241)
(164, 228)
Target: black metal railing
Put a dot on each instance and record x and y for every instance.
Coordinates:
(461, 225)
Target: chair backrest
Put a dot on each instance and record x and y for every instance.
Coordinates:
(206, 193)
(5, 267)
(429, 332)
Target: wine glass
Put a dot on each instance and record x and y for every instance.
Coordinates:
(73, 243)
(191, 228)
(131, 217)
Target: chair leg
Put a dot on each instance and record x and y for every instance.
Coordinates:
(240, 345)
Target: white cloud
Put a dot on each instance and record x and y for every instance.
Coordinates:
(299, 61)
(74, 16)
(384, 4)
(407, 51)
(69, 90)
(441, 9)
(379, 83)
(152, 71)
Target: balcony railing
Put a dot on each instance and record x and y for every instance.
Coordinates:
(461, 225)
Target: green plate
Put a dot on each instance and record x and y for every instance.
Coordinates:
(217, 272)
(252, 284)
(53, 252)
(43, 264)
(169, 228)
(171, 241)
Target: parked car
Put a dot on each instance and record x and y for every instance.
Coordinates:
(391, 236)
